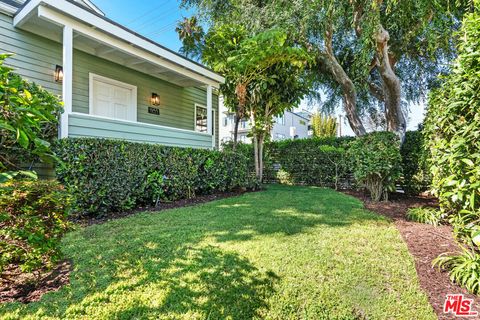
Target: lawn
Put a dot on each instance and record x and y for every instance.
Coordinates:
(283, 253)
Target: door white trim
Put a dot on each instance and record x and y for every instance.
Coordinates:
(92, 77)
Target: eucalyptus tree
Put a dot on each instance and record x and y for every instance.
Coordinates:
(368, 52)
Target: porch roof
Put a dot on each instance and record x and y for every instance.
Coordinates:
(100, 36)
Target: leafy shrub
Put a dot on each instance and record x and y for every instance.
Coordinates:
(33, 219)
(377, 162)
(28, 122)
(452, 129)
(425, 215)
(114, 175)
(464, 269)
(416, 175)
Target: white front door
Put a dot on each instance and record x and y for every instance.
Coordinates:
(112, 99)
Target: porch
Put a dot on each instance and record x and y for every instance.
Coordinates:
(118, 84)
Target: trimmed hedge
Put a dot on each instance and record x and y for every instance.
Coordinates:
(317, 161)
(33, 219)
(416, 175)
(113, 175)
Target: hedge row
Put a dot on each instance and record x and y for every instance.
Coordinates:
(316, 161)
(113, 175)
(326, 162)
(416, 171)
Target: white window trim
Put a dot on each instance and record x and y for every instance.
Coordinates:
(197, 105)
(93, 76)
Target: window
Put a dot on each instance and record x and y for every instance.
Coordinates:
(302, 122)
(201, 119)
(281, 119)
(225, 121)
(112, 99)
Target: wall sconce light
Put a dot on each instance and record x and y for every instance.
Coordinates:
(155, 100)
(58, 73)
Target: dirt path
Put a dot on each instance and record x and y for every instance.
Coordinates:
(425, 243)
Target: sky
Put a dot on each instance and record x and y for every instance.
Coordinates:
(154, 19)
(157, 20)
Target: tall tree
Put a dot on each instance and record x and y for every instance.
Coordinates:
(368, 52)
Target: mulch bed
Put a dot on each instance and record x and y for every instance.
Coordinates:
(425, 242)
(27, 288)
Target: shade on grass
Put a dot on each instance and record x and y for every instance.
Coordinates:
(284, 253)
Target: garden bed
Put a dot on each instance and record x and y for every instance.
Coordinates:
(425, 242)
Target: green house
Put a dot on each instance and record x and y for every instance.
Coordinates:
(114, 83)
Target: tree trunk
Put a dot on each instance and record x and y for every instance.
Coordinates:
(395, 118)
(255, 146)
(235, 131)
(348, 88)
(261, 138)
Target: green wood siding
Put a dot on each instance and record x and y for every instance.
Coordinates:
(34, 57)
(90, 126)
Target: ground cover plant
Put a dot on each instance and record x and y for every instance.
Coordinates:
(287, 252)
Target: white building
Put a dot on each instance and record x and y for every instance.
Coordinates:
(289, 126)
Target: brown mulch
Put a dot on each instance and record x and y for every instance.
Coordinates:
(27, 288)
(425, 242)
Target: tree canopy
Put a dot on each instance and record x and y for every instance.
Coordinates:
(371, 56)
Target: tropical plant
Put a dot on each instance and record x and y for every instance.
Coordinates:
(323, 126)
(28, 122)
(377, 162)
(426, 215)
(464, 268)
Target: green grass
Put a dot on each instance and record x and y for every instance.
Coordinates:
(284, 253)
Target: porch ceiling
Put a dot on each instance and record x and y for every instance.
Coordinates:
(87, 39)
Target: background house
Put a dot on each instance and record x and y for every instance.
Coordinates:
(290, 125)
(114, 83)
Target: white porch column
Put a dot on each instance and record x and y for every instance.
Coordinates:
(210, 113)
(67, 79)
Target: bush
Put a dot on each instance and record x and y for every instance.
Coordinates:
(452, 129)
(416, 175)
(33, 219)
(377, 162)
(425, 215)
(28, 122)
(113, 175)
